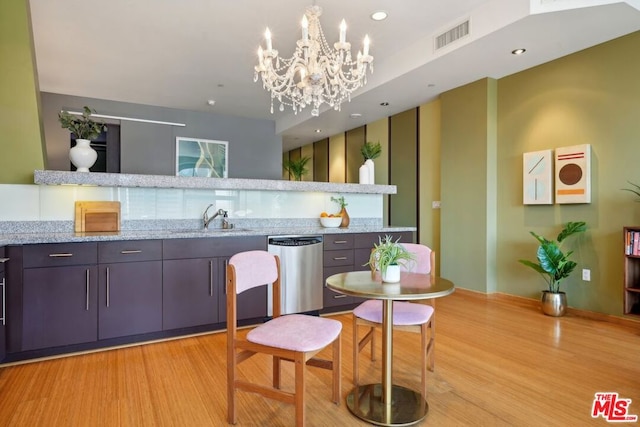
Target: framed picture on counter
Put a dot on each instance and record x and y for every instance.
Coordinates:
(201, 157)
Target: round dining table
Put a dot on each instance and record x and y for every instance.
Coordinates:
(385, 403)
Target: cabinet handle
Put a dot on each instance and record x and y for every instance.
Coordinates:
(131, 251)
(87, 290)
(3, 260)
(339, 296)
(4, 294)
(339, 242)
(210, 278)
(337, 258)
(61, 255)
(108, 286)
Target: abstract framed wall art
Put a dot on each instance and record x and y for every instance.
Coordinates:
(201, 157)
(537, 178)
(573, 174)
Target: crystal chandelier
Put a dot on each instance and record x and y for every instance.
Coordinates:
(315, 74)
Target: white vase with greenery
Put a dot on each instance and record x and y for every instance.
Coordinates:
(85, 129)
(369, 151)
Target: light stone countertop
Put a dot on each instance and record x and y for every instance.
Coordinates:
(52, 177)
(64, 237)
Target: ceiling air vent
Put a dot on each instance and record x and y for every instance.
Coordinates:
(450, 36)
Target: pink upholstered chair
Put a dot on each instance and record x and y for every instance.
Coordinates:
(407, 316)
(295, 337)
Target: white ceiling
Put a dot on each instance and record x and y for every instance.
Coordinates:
(179, 54)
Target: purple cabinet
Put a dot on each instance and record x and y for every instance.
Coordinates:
(190, 292)
(3, 307)
(130, 288)
(59, 293)
(194, 272)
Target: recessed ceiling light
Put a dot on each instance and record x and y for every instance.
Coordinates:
(355, 115)
(518, 51)
(318, 130)
(384, 104)
(211, 102)
(379, 15)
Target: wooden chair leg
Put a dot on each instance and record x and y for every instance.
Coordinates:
(432, 344)
(231, 390)
(336, 368)
(372, 331)
(424, 348)
(300, 370)
(276, 372)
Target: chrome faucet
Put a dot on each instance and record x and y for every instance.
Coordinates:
(205, 217)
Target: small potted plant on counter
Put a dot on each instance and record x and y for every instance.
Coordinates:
(343, 211)
(386, 257)
(554, 266)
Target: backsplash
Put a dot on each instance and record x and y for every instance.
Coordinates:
(56, 203)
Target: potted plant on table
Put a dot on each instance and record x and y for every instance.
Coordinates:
(554, 266)
(386, 257)
(369, 151)
(85, 130)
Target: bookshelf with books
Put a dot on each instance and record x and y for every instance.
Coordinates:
(632, 271)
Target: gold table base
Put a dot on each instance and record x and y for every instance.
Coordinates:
(407, 406)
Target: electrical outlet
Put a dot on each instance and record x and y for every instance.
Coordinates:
(586, 274)
(435, 204)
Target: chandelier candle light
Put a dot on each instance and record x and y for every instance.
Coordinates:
(315, 74)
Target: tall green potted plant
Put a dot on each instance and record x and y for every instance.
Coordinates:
(297, 168)
(85, 129)
(386, 257)
(554, 265)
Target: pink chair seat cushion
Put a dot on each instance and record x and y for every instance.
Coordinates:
(298, 332)
(404, 313)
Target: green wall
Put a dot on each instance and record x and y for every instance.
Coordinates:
(591, 97)
(468, 204)
(403, 168)
(429, 170)
(21, 142)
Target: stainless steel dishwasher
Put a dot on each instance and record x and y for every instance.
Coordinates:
(300, 273)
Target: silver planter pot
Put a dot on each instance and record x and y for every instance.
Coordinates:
(554, 304)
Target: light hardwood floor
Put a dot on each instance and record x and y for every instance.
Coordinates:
(498, 363)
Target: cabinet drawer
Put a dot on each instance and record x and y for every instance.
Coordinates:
(129, 251)
(59, 254)
(367, 240)
(339, 241)
(336, 258)
(211, 246)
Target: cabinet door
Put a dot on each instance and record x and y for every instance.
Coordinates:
(59, 306)
(3, 319)
(251, 304)
(190, 296)
(130, 299)
(331, 298)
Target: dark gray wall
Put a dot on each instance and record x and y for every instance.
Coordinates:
(255, 151)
